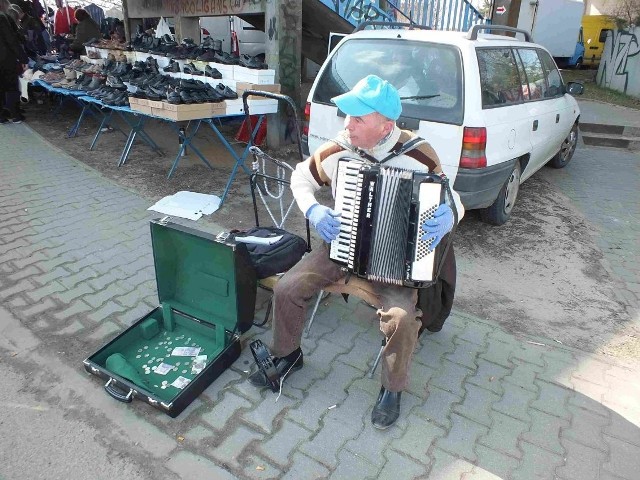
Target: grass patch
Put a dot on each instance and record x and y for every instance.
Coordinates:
(594, 92)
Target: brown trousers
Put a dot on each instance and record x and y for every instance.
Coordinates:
(398, 316)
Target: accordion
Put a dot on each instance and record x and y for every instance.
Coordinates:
(382, 210)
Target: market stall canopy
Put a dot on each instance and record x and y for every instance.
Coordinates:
(106, 5)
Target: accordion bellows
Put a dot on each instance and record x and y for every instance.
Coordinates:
(382, 209)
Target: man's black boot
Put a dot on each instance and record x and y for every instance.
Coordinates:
(285, 367)
(387, 409)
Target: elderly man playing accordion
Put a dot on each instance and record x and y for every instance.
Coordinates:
(372, 108)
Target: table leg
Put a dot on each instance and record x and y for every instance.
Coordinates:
(105, 122)
(187, 142)
(239, 160)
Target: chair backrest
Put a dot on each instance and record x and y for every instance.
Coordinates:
(271, 178)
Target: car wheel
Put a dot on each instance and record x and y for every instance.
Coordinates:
(498, 213)
(563, 157)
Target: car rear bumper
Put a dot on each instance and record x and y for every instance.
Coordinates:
(479, 187)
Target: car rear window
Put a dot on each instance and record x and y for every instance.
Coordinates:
(428, 76)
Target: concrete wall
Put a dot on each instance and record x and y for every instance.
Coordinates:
(620, 64)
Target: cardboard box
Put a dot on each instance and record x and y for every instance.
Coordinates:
(155, 104)
(143, 102)
(186, 112)
(241, 87)
(266, 87)
(140, 108)
(250, 75)
(218, 109)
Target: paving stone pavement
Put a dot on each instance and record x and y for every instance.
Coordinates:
(76, 268)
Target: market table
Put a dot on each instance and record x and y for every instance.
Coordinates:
(137, 121)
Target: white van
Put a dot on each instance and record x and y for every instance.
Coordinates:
(494, 108)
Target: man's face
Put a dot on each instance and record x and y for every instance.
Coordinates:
(366, 131)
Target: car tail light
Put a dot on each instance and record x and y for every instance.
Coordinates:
(474, 143)
(307, 116)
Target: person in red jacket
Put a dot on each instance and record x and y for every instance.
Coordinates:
(64, 19)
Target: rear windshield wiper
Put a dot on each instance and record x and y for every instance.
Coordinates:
(420, 97)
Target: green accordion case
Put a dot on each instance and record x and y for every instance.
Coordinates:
(207, 293)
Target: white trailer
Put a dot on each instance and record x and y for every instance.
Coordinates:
(555, 24)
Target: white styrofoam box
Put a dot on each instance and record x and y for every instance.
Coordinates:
(188, 76)
(227, 83)
(141, 56)
(211, 81)
(162, 60)
(234, 107)
(92, 49)
(103, 51)
(225, 70)
(131, 57)
(94, 61)
(251, 75)
(267, 105)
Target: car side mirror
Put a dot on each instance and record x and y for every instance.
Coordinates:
(575, 88)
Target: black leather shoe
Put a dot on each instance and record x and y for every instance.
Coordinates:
(283, 366)
(212, 72)
(387, 409)
(191, 69)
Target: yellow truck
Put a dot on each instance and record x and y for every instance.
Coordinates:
(594, 32)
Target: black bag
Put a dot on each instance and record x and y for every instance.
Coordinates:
(278, 257)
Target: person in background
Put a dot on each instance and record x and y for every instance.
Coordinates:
(64, 19)
(86, 29)
(12, 62)
(31, 31)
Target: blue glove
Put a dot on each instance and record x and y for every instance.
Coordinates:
(437, 227)
(325, 221)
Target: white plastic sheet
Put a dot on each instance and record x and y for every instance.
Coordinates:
(163, 28)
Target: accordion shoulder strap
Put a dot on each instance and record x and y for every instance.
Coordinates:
(405, 147)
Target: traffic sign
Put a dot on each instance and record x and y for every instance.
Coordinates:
(501, 10)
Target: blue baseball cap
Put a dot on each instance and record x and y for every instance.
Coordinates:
(371, 94)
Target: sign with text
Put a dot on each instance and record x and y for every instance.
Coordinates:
(192, 8)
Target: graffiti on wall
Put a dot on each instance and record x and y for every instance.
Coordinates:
(620, 63)
(358, 11)
(289, 51)
(192, 8)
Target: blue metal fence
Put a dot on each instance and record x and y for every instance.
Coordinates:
(438, 14)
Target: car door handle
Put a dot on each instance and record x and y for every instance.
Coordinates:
(557, 117)
(535, 125)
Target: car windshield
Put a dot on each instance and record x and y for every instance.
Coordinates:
(428, 76)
